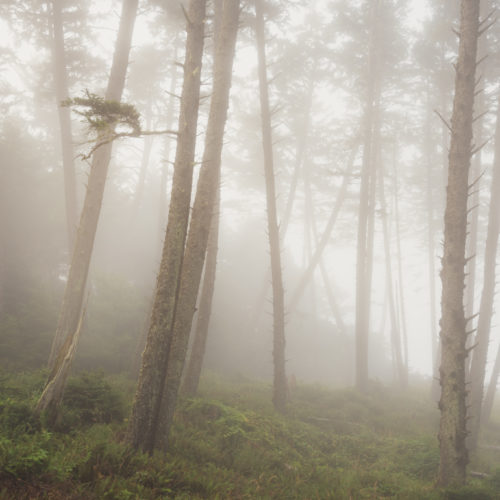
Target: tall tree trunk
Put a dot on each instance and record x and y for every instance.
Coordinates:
(193, 369)
(227, 18)
(84, 242)
(301, 142)
(400, 285)
(398, 363)
(146, 155)
(143, 428)
(71, 308)
(170, 116)
(279, 383)
(452, 428)
(364, 255)
(474, 200)
(492, 387)
(431, 256)
(61, 91)
(482, 338)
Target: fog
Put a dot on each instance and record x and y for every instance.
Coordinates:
(317, 66)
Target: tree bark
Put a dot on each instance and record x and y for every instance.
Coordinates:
(61, 94)
(279, 382)
(482, 338)
(143, 429)
(452, 428)
(227, 11)
(193, 370)
(84, 242)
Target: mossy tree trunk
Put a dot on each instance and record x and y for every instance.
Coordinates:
(279, 382)
(482, 338)
(194, 366)
(71, 309)
(226, 28)
(144, 428)
(452, 428)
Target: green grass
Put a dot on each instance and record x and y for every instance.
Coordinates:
(230, 444)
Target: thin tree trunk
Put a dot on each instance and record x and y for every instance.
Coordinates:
(227, 11)
(84, 242)
(279, 383)
(400, 284)
(452, 428)
(482, 338)
(61, 91)
(395, 327)
(364, 256)
(193, 370)
(143, 428)
(492, 387)
(146, 155)
(301, 142)
(431, 256)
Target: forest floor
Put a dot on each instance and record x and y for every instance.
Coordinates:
(230, 444)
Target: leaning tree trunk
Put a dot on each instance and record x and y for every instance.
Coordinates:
(143, 428)
(193, 369)
(75, 287)
(482, 338)
(325, 237)
(452, 428)
(61, 91)
(226, 18)
(279, 383)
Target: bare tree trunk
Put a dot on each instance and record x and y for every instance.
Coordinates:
(452, 428)
(84, 243)
(431, 256)
(492, 387)
(144, 420)
(61, 91)
(395, 327)
(227, 18)
(146, 155)
(364, 255)
(301, 142)
(193, 370)
(279, 384)
(400, 285)
(482, 338)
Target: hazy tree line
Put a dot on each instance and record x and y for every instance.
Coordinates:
(360, 135)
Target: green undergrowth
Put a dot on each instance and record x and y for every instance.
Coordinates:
(229, 444)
